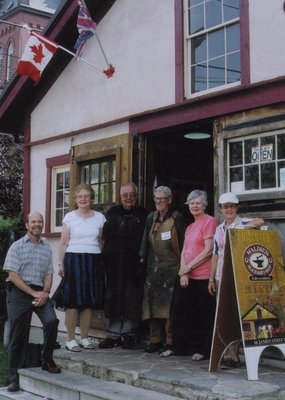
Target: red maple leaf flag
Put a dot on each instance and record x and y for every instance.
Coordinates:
(37, 54)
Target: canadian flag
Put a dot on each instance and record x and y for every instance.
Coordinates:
(37, 54)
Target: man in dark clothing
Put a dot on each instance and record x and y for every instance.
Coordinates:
(125, 275)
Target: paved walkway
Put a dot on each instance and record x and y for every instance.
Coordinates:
(175, 376)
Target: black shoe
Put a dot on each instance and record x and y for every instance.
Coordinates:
(153, 347)
(108, 343)
(129, 342)
(57, 345)
(51, 367)
(13, 387)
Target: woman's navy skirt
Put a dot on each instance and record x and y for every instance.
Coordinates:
(83, 285)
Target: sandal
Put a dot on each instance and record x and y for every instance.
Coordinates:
(198, 357)
(72, 345)
(86, 344)
(167, 353)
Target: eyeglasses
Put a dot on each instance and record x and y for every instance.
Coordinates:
(160, 199)
(132, 195)
(83, 196)
(229, 206)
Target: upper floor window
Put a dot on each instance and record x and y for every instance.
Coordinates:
(212, 52)
(101, 175)
(257, 162)
(10, 59)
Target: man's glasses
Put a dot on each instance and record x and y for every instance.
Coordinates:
(131, 195)
(160, 199)
(229, 206)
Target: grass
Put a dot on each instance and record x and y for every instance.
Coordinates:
(3, 365)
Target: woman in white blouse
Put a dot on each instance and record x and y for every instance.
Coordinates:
(81, 266)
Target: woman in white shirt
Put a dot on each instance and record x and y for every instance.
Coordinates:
(81, 266)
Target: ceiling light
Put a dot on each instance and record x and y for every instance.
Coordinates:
(197, 135)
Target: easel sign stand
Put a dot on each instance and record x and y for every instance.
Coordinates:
(251, 299)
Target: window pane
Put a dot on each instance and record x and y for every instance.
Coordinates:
(213, 13)
(199, 77)
(236, 174)
(104, 193)
(94, 173)
(59, 181)
(59, 199)
(216, 44)
(281, 174)
(104, 172)
(113, 170)
(231, 9)
(249, 145)
(196, 19)
(268, 178)
(233, 38)
(267, 148)
(113, 192)
(85, 174)
(233, 67)
(67, 179)
(251, 177)
(236, 153)
(58, 217)
(96, 193)
(217, 72)
(199, 49)
(194, 2)
(281, 146)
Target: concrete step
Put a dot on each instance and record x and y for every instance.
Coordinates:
(21, 395)
(74, 386)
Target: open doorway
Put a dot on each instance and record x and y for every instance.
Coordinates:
(180, 163)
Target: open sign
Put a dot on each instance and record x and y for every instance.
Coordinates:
(262, 153)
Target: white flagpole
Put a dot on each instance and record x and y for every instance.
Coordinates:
(101, 47)
(45, 39)
(66, 50)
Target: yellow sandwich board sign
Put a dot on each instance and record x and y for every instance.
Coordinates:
(251, 301)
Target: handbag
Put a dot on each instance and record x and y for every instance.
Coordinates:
(57, 297)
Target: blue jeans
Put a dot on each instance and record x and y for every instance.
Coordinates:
(20, 310)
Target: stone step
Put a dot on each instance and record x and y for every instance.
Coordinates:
(75, 386)
(21, 395)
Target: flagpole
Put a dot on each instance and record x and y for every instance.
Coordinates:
(58, 46)
(101, 47)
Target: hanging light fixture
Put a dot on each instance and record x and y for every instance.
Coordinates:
(197, 135)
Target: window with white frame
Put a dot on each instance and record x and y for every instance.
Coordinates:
(257, 162)
(60, 195)
(212, 40)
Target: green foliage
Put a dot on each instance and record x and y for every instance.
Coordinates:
(3, 366)
(11, 176)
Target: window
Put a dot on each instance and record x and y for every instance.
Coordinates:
(10, 55)
(212, 33)
(257, 162)
(60, 193)
(101, 175)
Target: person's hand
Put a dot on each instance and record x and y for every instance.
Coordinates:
(212, 288)
(184, 270)
(61, 271)
(184, 281)
(40, 298)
